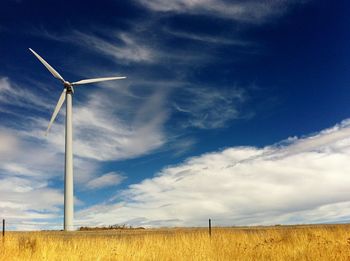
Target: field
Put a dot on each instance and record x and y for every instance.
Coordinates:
(326, 242)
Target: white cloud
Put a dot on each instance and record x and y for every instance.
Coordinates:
(22, 157)
(28, 198)
(106, 180)
(26, 171)
(253, 11)
(304, 181)
(29, 173)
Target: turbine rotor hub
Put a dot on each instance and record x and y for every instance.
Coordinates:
(68, 86)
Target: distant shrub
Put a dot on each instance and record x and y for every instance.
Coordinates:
(111, 227)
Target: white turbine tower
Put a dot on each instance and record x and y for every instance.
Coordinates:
(68, 174)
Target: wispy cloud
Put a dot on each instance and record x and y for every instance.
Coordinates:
(208, 108)
(218, 40)
(252, 11)
(140, 48)
(13, 95)
(102, 112)
(106, 180)
(124, 47)
(117, 138)
(182, 146)
(243, 185)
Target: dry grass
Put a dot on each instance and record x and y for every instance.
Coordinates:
(269, 243)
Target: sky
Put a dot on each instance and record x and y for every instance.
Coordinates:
(236, 111)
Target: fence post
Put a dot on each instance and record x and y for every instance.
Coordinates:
(3, 228)
(209, 227)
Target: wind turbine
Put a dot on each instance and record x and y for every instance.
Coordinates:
(67, 93)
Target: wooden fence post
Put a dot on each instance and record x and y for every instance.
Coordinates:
(209, 227)
(3, 228)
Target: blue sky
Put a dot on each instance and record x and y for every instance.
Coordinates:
(232, 110)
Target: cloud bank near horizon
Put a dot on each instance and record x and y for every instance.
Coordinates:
(301, 180)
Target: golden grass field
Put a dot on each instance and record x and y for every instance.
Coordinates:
(326, 242)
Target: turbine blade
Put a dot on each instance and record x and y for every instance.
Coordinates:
(57, 109)
(48, 66)
(86, 81)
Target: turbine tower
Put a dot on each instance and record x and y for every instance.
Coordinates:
(67, 94)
